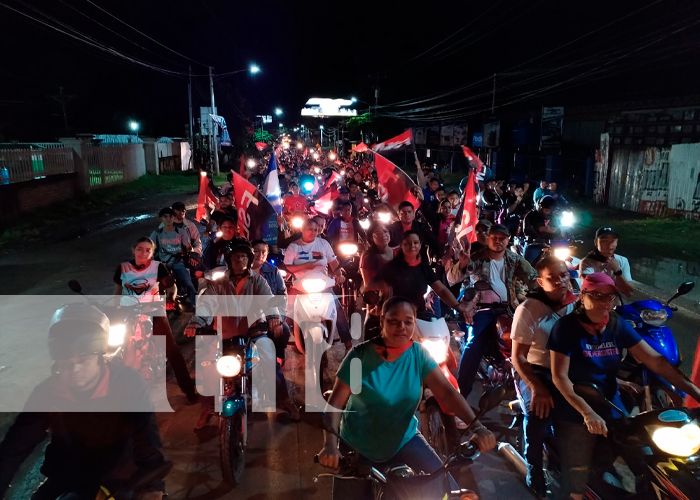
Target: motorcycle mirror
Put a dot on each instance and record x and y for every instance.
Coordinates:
(682, 290)
(482, 286)
(371, 297)
(75, 286)
(167, 282)
(491, 398)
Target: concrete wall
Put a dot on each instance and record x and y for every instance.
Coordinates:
(20, 197)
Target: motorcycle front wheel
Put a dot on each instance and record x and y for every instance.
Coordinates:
(231, 450)
(440, 430)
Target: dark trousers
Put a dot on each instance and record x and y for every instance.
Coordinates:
(536, 429)
(161, 326)
(281, 341)
(474, 350)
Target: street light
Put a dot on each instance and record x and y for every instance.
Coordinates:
(321, 135)
(280, 125)
(353, 99)
(254, 69)
(278, 111)
(134, 126)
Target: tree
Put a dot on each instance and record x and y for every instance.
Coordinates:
(262, 136)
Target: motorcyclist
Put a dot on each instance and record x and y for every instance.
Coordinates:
(515, 208)
(346, 229)
(380, 421)
(503, 270)
(532, 324)
(181, 222)
(215, 253)
(226, 209)
(141, 277)
(254, 317)
(604, 260)
(493, 204)
(586, 347)
(295, 202)
(313, 254)
(408, 222)
(172, 242)
(99, 417)
(536, 223)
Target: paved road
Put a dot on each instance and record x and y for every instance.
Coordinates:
(279, 462)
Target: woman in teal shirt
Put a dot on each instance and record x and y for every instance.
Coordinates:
(380, 420)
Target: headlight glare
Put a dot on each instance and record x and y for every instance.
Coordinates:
(229, 366)
(116, 334)
(682, 442)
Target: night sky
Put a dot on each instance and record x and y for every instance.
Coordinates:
(549, 52)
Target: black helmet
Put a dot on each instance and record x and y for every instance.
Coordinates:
(548, 202)
(238, 245)
(78, 329)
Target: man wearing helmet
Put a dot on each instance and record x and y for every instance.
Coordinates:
(536, 223)
(99, 415)
(248, 317)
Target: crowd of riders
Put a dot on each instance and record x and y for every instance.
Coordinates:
(408, 257)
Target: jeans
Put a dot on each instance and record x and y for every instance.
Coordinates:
(474, 350)
(161, 326)
(183, 278)
(576, 447)
(342, 322)
(418, 455)
(535, 428)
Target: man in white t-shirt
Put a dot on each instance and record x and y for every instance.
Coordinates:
(604, 260)
(506, 273)
(311, 254)
(345, 229)
(532, 324)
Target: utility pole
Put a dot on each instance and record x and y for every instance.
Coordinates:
(215, 149)
(189, 93)
(62, 100)
(493, 97)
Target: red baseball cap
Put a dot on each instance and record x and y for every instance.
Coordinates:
(596, 281)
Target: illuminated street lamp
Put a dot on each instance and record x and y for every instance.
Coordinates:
(278, 111)
(353, 99)
(254, 69)
(134, 126)
(321, 135)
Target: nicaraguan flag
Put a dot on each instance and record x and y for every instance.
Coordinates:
(271, 186)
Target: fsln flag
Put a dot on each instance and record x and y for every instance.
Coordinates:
(271, 186)
(475, 163)
(394, 184)
(261, 146)
(253, 208)
(465, 222)
(398, 143)
(207, 200)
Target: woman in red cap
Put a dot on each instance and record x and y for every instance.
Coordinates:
(586, 347)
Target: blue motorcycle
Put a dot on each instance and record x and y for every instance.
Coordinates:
(647, 390)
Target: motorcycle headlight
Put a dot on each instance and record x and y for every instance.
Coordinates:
(229, 366)
(364, 224)
(297, 222)
(682, 442)
(654, 318)
(313, 285)
(348, 249)
(116, 334)
(437, 349)
(384, 217)
(567, 219)
(562, 253)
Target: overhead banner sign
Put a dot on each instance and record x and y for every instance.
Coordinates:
(321, 106)
(477, 140)
(419, 135)
(460, 135)
(552, 128)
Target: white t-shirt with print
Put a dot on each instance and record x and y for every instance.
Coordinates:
(319, 250)
(590, 266)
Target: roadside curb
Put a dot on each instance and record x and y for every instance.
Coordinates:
(686, 305)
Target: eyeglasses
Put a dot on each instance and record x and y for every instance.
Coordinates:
(602, 297)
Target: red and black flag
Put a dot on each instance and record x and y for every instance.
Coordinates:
(207, 198)
(253, 209)
(394, 184)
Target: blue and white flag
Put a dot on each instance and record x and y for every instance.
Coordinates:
(271, 186)
(221, 122)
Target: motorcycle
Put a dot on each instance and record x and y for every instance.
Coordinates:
(138, 349)
(660, 447)
(648, 318)
(315, 318)
(437, 422)
(401, 482)
(350, 263)
(495, 368)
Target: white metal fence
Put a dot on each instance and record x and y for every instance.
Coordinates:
(26, 165)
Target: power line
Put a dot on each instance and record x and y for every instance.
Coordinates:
(145, 35)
